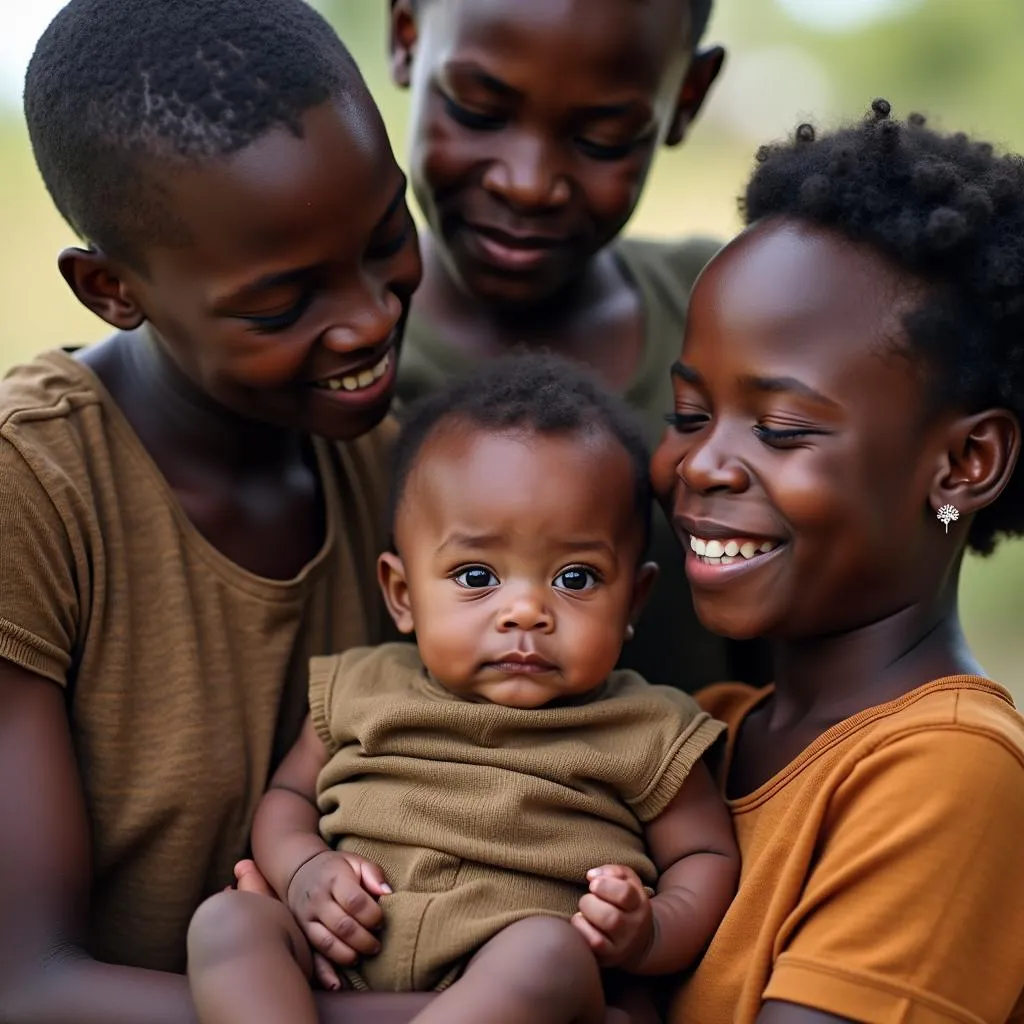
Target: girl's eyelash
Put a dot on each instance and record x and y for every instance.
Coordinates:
(597, 151)
(392, 247)
(471, 119)
(768, 434)
(685, 421)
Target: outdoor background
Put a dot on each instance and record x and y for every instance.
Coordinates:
(789, 60)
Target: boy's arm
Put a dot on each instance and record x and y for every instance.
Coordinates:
(286, 829)
(694, 848)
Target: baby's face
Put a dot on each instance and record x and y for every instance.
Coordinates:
(519, 562)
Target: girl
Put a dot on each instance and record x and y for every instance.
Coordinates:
(847, 423)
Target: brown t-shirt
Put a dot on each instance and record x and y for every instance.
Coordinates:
(185, 674)
(882, 869)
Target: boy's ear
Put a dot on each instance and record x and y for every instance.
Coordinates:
(642, 586)
(99, 285)
(700, 76)
(981, 453)
(402, 42)
(395, 588)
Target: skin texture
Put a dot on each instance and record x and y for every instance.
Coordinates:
(547, 525)
(224, 410)
(533, 129)
(860, 596)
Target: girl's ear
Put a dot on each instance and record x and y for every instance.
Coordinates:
(395, 588)
(100, 286)
(402, 42)
(981, 453)
(700, 76)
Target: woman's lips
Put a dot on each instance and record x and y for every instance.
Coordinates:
(508, 252)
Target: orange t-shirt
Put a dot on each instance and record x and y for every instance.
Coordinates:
(883, 869)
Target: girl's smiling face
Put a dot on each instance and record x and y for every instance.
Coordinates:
(801, 444)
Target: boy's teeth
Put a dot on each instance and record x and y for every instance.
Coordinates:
(355, 382)
(734, 549)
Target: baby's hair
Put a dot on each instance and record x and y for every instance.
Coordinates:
(118, 88)
(946, 210)
(537, 393)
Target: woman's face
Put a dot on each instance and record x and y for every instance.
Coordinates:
(797, 468)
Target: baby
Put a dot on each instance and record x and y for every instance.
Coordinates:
(494, 813)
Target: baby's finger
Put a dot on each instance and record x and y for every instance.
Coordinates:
(372, 877)
(348, 929)
(357, 903)
(327, 944)
(612, 870)
(596, 940)
(325, 973)
(603, 916)
(621, 893)
(249, 878)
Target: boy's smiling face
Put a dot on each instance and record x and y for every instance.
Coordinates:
(518, 561)
(534, 124)
(802, 427)
(287, 298)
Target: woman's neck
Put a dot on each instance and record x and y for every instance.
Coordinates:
(442, 300)
(824, 680)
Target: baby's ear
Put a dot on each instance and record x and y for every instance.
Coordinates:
(100, 285)
(402, 39)
(700, 76)
(643, 583)
(395, 588)
(981, 453)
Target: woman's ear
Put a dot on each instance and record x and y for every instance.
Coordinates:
(700, 76)
(395, 588)
(402, 42)
(981, 453)
(99, 285)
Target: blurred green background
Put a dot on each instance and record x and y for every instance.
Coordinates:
(789, 60)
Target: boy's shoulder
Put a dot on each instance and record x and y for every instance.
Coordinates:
(51, 386)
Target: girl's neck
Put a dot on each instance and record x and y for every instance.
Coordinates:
(178, 424)
(825, 680)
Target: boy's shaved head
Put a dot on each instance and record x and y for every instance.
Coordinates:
(119, 92)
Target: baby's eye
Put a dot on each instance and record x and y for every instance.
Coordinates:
(575, 578)
(476, 577)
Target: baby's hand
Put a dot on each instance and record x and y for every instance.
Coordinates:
(615, 917)
(331, 896)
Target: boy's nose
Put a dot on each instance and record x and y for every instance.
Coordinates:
(526, 177)
(363, 320)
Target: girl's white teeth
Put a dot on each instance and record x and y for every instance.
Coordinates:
(356, 382)
(733, 550)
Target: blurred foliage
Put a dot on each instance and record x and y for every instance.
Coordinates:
(954, 61)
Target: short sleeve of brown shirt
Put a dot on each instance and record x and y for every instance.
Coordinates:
(186, 675)
(883, 878)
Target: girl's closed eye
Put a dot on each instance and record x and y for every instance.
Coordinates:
(473, 119)
(778, 437)
(685, 422)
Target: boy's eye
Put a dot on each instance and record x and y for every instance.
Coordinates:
(476, 577)
(473, 119)
(575, 578)
(394, 244)
(686, 422)
(279, 321)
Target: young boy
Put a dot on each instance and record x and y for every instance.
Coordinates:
(497, 797)
(192, 508)
(534, 125)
